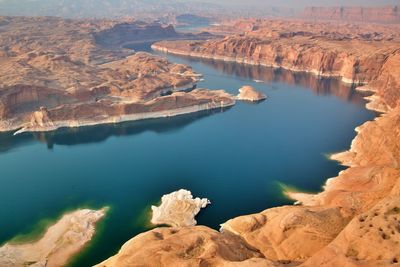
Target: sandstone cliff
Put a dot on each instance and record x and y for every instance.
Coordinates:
(354, 57)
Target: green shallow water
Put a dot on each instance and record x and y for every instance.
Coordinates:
(238, 158)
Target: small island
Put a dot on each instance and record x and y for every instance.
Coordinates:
(249, 93)
(178, 209)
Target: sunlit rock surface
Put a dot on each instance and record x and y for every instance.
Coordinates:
(188, 246)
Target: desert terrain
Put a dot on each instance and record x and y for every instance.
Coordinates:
(64, 73)
(69, 73)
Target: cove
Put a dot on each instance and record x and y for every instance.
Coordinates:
(236, 157)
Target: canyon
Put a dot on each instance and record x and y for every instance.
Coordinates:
(64, 73)
(59, 73)
(354, 221)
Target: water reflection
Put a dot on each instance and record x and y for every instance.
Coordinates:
(270, 76)
(100, 133)
(319, 85)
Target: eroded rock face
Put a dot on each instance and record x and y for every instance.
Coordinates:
(354, 53)
(61, 241)
(292, 233)
(178, 209)
(190, 246)
(249, 93)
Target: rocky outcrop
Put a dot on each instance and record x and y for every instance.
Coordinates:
(388, 14)
(249, 93)
(60, 242)
(190, 246)
(292, 233)
(41, 119)
(178, 209)
(309, 56)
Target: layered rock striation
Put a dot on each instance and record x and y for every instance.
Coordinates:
(189, 246)
(355, 54)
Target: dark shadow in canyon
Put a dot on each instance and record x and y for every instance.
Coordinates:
(100, 133)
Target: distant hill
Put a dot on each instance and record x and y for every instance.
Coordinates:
(103, 8)
(388, 14)
(167, 10)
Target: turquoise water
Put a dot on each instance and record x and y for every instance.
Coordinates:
(235, 157)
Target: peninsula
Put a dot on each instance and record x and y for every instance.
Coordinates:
(58, 244)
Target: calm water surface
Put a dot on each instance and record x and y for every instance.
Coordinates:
(235, 157)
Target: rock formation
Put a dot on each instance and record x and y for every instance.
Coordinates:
(68, 73)
(292, 233)
(60, 242)
(249, 93)
(178, 209)
(353, 53)
(354, 221)
(189, 246)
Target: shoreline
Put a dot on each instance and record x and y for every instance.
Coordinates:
(61, 241)
(242, 60)
(123, 118)
(343, 157)
(325, 219)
